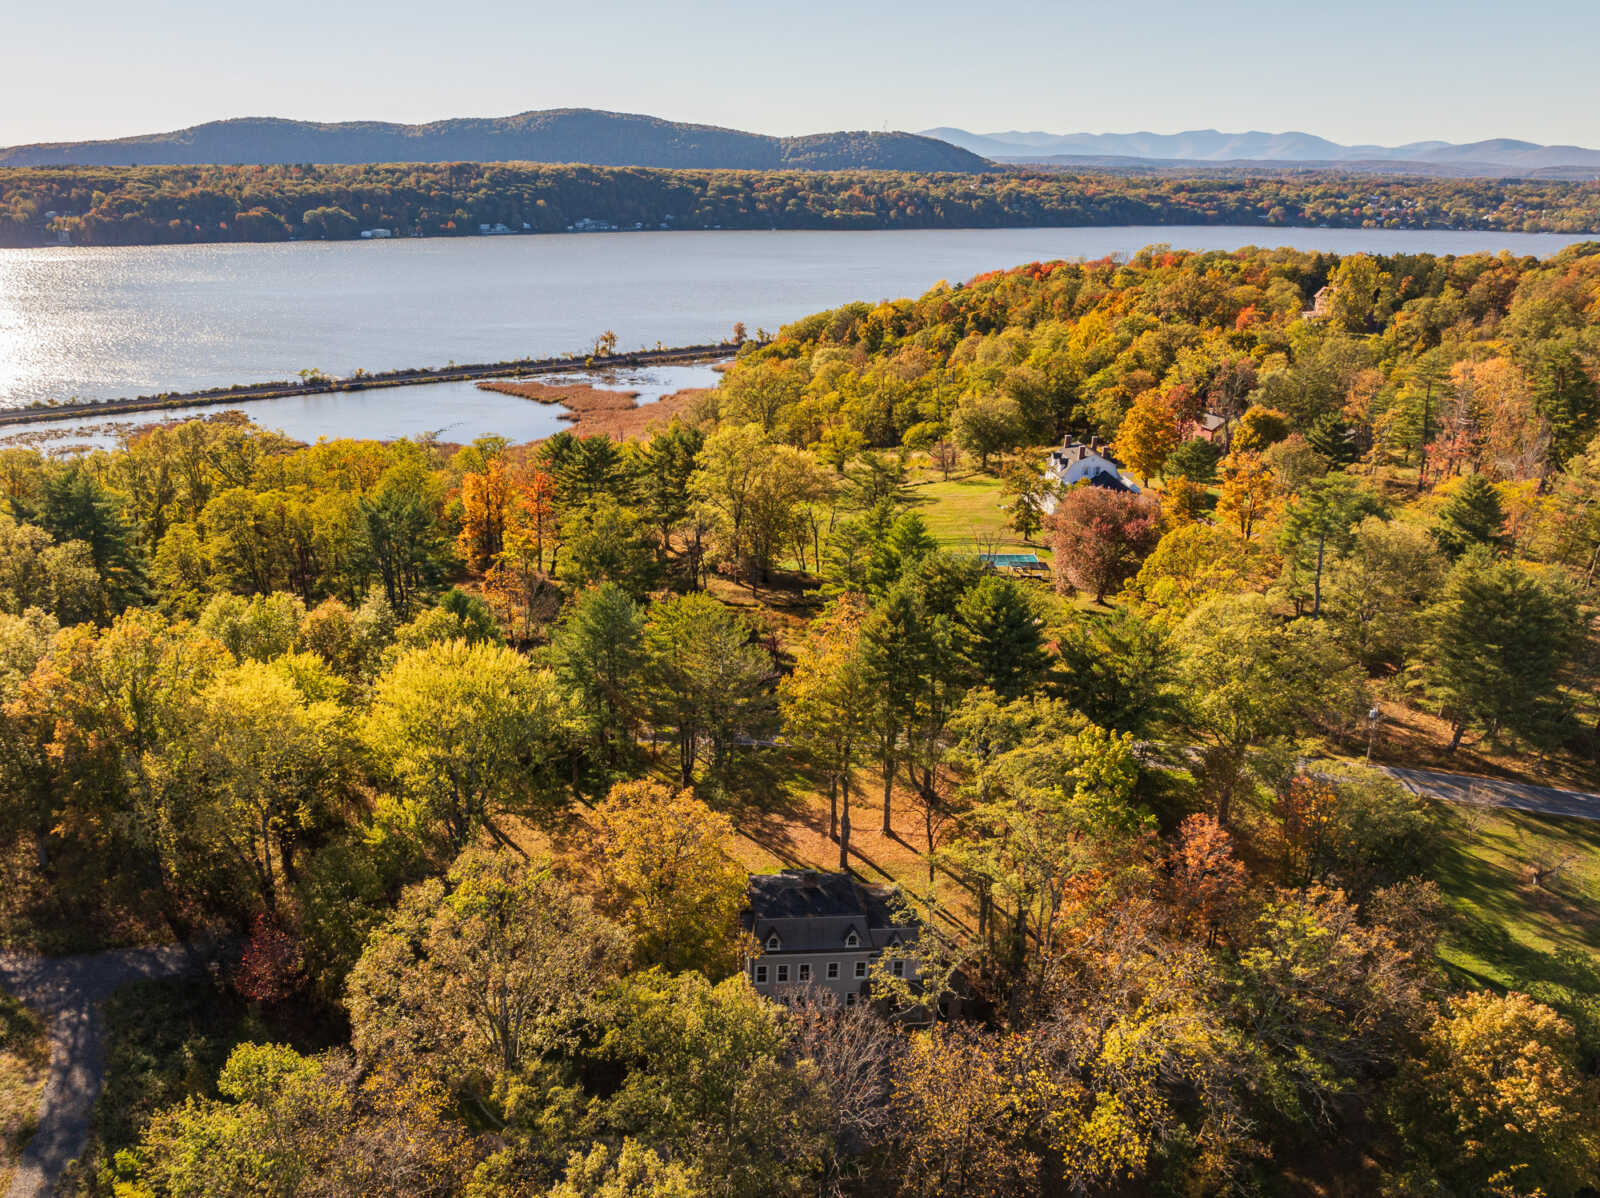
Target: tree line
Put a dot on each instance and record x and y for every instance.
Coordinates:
(176, 205)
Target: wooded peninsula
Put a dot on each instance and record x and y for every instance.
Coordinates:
(174, 205)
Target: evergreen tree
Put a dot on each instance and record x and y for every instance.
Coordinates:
(1501, 637)
(598, 653)
(75, 506)
(1001, 637)
(1472, 516)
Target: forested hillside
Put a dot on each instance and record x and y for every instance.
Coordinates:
(180, 205)
(551, 135)
(462, 753)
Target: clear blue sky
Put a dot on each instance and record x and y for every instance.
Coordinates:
(1352, 70)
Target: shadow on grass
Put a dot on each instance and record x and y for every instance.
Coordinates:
(1507, 933)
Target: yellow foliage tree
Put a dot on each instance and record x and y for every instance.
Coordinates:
(670, 877)
(1149, 433)
(1249, 493)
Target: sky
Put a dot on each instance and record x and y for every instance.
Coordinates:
(1355, 71)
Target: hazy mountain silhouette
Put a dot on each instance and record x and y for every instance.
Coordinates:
(1211, 146)
(553, 135)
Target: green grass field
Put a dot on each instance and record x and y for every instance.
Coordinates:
(965, 515)
(1511, 930)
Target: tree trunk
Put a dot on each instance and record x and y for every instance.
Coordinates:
(833, 807)
(1316, 587)
(888, 795)
(844, 825)
(1455, 739)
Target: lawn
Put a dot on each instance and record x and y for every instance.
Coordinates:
(24, 1062)
(964, 514)
(1509, 928)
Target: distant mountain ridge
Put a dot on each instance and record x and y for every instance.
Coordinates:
(1210, 145)
(566, 135)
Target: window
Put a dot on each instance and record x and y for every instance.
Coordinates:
(761, 974)
(898, 968)
(783, 973)
(851, 939)
(773, 943)
(861, 969)
(805, 973)
(850, 999)
(833, 969)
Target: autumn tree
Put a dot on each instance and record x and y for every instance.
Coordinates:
(468, 734)
(1249, 493)
(827, 705)
(961, 1126)
(1208, 881)
(485, 505)
(284, 1123)
(705, 1079)
(1099, 538)
(1250, 679)
(1498, 1102)
(481, 972)
(668, 875)
(984, 425)
(257, 768)
(1148, 434)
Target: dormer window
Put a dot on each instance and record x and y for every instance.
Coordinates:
(851, 940)
(773, 943)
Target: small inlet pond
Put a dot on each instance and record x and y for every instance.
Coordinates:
(456, 412)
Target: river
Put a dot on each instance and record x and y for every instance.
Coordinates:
(93, 323)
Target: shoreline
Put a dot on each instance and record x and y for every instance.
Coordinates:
(592, 410)
(474, 372)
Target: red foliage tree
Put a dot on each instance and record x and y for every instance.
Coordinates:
(1100, 537)
(1207, 881)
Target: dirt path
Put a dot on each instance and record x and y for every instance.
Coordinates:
(69, 992)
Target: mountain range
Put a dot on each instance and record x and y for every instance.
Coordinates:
(1211, 147)
(553, 135)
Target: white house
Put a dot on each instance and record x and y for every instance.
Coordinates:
(1076, 462)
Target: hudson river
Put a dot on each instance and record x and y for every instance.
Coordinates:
(109, 322)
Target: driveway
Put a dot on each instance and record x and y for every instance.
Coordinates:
(1497, 792)
(69, 991)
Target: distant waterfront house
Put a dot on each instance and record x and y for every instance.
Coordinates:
(1085, 462)
(824, 931)
(376, 234)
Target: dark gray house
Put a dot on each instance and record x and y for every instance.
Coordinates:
(823, 930)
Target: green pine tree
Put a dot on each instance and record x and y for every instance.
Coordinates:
(1472, 516)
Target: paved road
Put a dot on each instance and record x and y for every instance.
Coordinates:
(1497, 792)
(69, 992)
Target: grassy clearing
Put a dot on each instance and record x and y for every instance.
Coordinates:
(1512, 928)
(964, 514)
(24, 1064)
